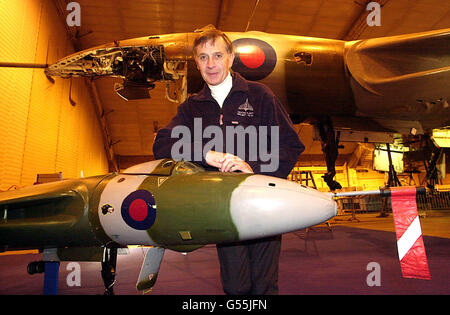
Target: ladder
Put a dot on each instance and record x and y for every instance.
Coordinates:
(303, 176)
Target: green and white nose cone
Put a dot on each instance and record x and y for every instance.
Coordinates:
(262, 206)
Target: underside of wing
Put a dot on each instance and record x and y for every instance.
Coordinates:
(407, 74)
(379, 62)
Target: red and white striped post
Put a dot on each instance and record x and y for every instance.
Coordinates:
(411, 249)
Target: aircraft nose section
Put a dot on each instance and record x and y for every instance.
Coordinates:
(264, 206)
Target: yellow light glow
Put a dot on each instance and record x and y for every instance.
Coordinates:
(442, 137)
(213, 179)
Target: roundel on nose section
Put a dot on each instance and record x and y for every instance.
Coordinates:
(254, 59)
(139, 210)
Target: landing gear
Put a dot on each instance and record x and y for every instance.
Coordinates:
(432, 178)
(393, 181)
(109, 269)
(330, 145)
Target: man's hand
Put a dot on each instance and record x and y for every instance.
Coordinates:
(227, 162)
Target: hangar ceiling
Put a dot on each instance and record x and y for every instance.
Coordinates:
(131, 125)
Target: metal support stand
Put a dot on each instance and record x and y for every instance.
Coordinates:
(432, 178)
(353, 217)
(49, 265)
(51, 277)
(109, 269)
(352, 207)
(393, 181)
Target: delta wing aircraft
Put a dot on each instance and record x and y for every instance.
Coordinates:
(164, 204)
(398, 84)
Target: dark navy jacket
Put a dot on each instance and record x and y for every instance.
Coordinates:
(248, 104)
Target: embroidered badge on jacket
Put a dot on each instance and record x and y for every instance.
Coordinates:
(245, 109)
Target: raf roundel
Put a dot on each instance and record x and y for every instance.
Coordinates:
(139, 210)
(254, 59)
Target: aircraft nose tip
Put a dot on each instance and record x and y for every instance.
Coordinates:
(263, 206)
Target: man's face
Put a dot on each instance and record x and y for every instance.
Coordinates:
(213, 61)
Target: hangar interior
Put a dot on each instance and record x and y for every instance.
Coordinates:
(80, 127)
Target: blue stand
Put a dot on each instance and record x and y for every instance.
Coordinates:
(51, 277)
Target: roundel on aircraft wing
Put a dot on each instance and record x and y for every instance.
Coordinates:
(254, 59)
(139, 210)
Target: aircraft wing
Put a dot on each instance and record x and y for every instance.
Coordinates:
(52, 207)
(379, 63)
(37, 193)
(405, 74)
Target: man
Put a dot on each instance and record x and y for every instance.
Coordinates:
(228, 100)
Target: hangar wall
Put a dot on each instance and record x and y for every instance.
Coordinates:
(41, 132)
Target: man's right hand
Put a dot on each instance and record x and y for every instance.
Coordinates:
(227, 162)
(214, 158)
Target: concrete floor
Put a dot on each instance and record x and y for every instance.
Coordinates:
(433, 222)
(313, 261)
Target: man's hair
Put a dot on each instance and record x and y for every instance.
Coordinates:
(212, 34)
